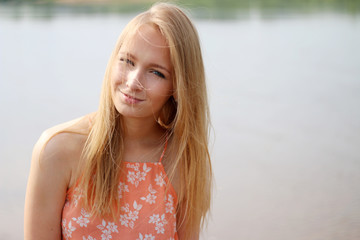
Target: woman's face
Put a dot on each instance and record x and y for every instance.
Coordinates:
(141, 76)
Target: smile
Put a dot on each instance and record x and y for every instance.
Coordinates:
(130, 99)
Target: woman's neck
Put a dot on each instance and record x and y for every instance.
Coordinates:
(142, 131)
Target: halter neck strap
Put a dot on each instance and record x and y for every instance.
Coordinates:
(163, 152)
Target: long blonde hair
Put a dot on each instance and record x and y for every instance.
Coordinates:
(185, 115)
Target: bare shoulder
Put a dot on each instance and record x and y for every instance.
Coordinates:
(80, 126)
(60, 147)
(54, 159)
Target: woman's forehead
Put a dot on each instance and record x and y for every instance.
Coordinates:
(146, 33)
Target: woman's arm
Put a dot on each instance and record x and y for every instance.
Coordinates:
(47, 185)
(182, 231)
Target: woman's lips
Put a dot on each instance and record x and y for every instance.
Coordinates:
(130, 99)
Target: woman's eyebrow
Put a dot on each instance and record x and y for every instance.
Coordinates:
(129, 55)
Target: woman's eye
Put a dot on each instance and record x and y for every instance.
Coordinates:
(127, 61)
(159, 74)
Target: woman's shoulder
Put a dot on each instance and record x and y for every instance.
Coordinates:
(79, 126)
(64, 141)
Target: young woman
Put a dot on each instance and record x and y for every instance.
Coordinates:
(138, 168)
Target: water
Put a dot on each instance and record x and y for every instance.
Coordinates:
(284, 95)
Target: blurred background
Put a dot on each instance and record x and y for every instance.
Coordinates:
(284, 89)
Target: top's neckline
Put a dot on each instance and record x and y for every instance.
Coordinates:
(126, 162)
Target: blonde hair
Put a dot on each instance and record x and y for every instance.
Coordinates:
(186, 117)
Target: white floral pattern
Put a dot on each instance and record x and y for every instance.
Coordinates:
(83, 220)
(159, 222)
(128, 219)
(77, 196)
(146, 237)
(88, 238)
(169, 204)
(137, 175)
(150, 198)
(107, 229)
(67, 229)
(160, 179)
(147, 211)
(122, 188)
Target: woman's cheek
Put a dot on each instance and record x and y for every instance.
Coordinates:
(116, 76)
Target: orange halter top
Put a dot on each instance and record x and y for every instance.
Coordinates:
(148, 209)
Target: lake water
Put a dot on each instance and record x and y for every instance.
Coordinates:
(285, 102)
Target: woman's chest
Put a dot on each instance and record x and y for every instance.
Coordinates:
(148, 208)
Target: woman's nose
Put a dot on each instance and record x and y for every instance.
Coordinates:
(133, 80)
